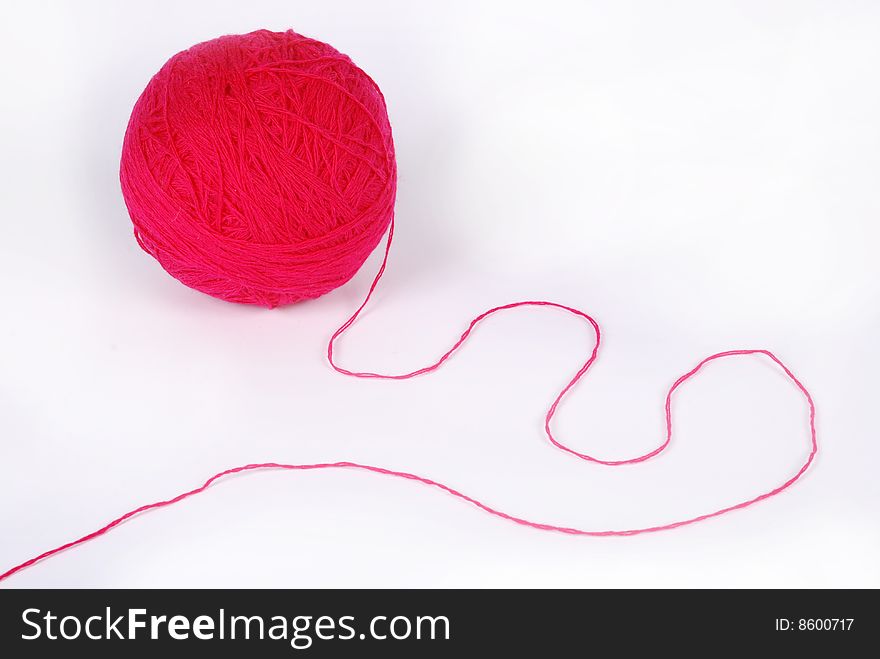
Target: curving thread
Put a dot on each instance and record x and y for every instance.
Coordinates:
(195, 242)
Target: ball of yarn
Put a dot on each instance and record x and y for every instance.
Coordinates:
(259, 168)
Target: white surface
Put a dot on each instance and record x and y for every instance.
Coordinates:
(700, 176)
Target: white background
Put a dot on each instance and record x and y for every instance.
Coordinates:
(699, 176)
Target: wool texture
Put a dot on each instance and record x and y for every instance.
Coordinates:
(259, 168)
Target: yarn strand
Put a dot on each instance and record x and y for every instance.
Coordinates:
(814, 447)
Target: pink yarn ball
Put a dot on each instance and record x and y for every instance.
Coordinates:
(259, 168)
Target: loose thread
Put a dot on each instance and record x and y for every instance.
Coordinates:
(814, 447)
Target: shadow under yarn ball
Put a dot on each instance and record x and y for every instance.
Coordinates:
(259, 168)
